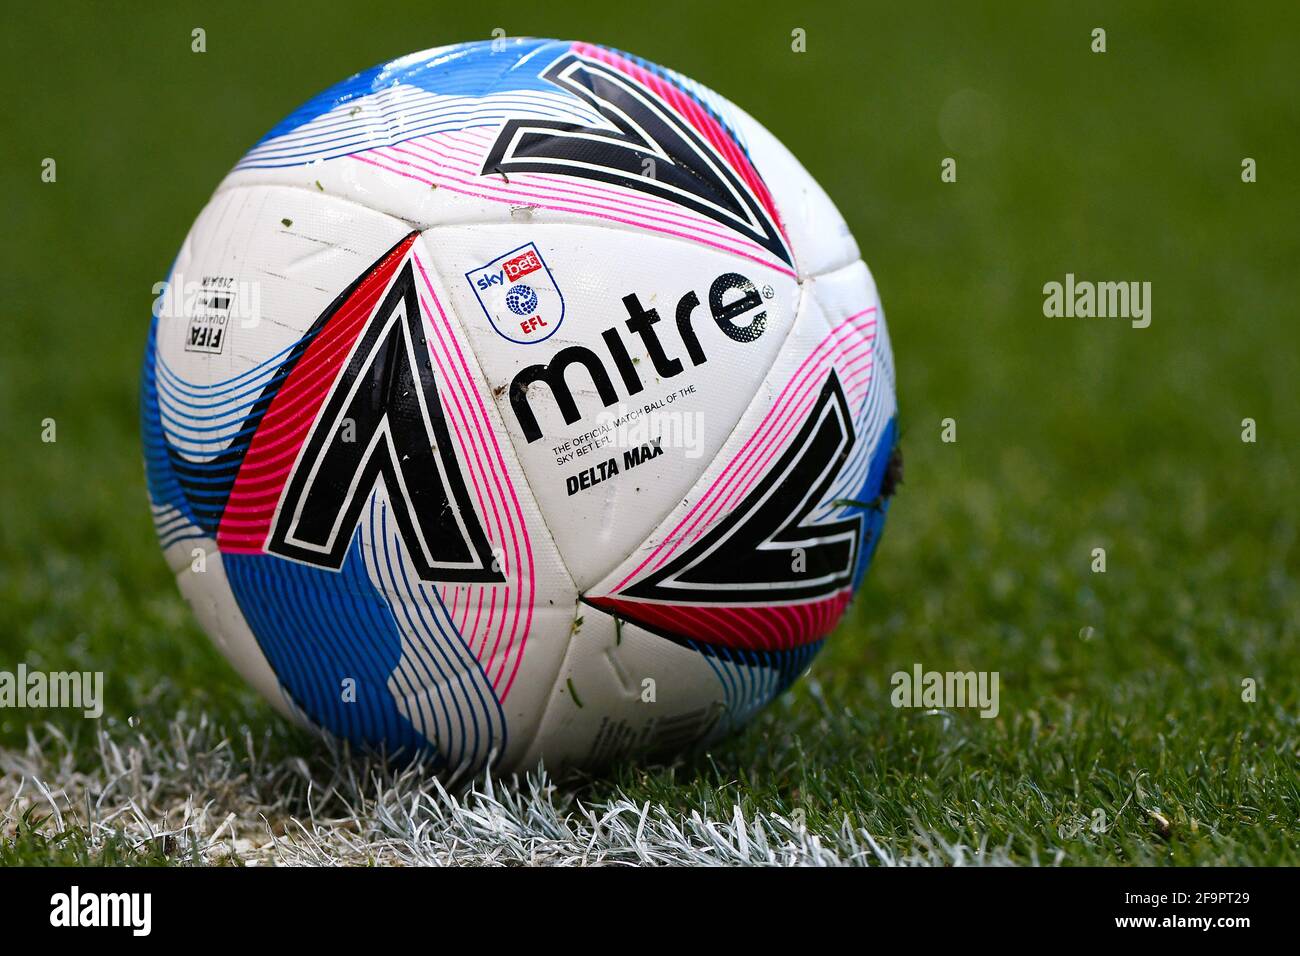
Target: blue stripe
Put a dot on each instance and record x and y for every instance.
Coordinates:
(461, 685)
(164, 487)
(177, 392)
(225, 385)
(752, 679)
(319, 627)
(192, 460)
(371, 133)
(469, 69)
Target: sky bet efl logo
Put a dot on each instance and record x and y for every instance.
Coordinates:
(519, 295)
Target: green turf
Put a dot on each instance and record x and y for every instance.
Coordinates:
(1072, 433)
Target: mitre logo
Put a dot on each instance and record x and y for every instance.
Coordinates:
(519, 296)
(735, 305)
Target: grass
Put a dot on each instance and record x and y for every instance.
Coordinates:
(1123, 736)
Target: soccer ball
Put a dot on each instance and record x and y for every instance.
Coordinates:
(517, 400)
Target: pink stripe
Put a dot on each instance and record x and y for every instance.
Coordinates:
(776, 267)
(545, 180)
(460, 433)
(853, 385)
(697, 223)
(478, 616)
(509, 487)
(478, 426)
(749, 627)
(463, 433)
(468, 448)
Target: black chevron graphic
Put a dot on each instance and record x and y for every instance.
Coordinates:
(751, 554)
(383, 421)
(646, 147)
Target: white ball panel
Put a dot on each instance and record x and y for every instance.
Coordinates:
(818, 233)
(692, 411)
(601, 709)
(286, 253)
